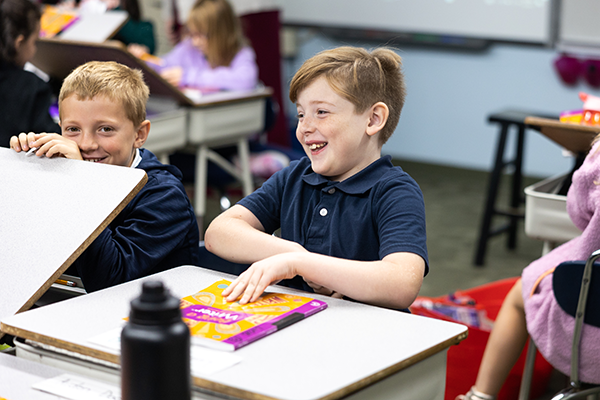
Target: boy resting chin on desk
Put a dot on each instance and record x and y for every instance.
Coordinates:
(102, 107)
(351, 223)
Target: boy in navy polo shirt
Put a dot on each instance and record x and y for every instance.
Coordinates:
(352, 224)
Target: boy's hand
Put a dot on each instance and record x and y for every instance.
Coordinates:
(47, 144)
(253, 282)
(172, 75)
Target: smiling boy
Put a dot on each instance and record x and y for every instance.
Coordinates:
(352, 224)
(102, 107)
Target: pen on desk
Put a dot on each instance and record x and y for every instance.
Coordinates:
(66, 283)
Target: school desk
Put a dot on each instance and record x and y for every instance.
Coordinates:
(52, 209)
(576, 138)
(178, 122)
(349, 350)
(89, 26)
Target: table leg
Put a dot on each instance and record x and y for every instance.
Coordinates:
(200, 181)
(244, 154)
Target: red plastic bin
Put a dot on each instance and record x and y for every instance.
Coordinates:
(464, 359)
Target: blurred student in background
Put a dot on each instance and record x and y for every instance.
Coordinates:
(25, 98)
(214, 55)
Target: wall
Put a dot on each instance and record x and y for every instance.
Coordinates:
(451, 93)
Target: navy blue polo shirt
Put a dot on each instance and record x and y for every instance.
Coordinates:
(376, 212)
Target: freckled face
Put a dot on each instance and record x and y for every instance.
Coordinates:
(100, 128)
(332, 134)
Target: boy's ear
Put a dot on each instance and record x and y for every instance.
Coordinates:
(377, 118)
(142, 134)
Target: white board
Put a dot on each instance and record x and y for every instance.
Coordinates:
(52, 209)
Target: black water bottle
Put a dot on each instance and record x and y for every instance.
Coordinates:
(155, 348)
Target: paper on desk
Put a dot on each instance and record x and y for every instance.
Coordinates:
(204, 361)
(78, 388)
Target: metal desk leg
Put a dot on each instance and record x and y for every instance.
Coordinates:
(200, 181)
(244, 154)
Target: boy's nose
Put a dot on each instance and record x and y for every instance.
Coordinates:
(87, 142)
(306, 126)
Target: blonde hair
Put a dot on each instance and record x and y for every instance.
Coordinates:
(216, 20)
(113, 80)
(363, 78)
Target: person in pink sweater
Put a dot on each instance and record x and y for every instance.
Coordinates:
(215, 54)
(531, 308)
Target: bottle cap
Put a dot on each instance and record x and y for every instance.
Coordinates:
(155, 305)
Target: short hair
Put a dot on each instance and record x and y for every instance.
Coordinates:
(17, 17)
(113, 80)
(217, 20)
(362, 77)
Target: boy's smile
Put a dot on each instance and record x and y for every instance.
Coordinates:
(101, 129)
(333, 135)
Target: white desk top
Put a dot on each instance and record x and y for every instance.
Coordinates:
(335, 352)
(18, 375)
(95, 26)
(52, 209)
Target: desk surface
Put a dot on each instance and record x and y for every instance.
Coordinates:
(52, 209)
(18, 375)
(340, 350)
(573, 137)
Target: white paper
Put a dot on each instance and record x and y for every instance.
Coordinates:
(204, 361)
(78, 388)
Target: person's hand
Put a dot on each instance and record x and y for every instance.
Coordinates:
(172, 75)
(47, 144)
(138, 50)
(323, 290)
(253, 282)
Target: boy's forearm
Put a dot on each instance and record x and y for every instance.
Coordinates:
(393, 282)
(236, 240)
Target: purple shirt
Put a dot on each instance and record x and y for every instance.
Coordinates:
(241, 74)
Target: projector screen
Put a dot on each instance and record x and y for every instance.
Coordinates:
(502, 20)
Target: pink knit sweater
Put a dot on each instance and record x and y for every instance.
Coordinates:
(549, 326)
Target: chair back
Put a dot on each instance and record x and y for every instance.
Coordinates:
(566, 283)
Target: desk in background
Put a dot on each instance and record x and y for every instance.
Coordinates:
(350, 350)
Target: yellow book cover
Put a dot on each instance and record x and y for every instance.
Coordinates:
(55, 20)
(215, 323)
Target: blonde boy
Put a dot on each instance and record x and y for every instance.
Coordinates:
(102, 107)
(351, 223)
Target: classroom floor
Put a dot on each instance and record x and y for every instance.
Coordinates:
(454, 199)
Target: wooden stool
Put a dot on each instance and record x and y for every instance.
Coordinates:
(514, 213)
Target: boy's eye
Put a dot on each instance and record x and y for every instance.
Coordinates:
(71, 129)
(106, 129)
(321, 112)
(299, 115)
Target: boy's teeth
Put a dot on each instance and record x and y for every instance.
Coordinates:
(315, 146)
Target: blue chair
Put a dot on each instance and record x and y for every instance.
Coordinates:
(576, 285)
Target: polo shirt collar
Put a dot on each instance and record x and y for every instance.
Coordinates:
(358, 183)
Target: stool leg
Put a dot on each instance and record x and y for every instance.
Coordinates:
(490, 204)
(517, 190)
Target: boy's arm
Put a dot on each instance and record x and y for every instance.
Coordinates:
(238, 236)
(393, 282)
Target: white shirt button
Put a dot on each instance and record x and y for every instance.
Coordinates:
(323, 212)
(331, 191)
